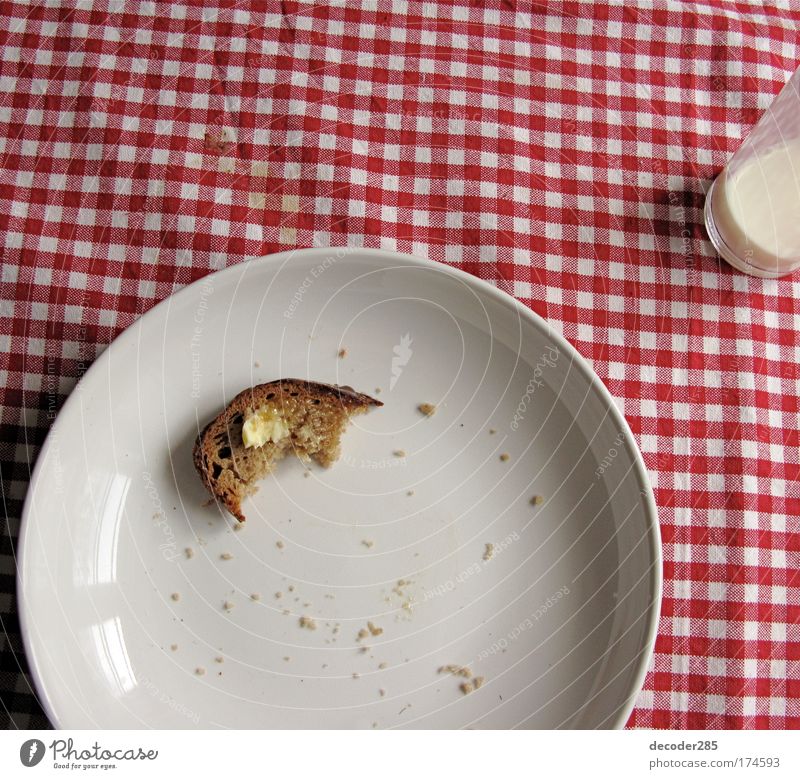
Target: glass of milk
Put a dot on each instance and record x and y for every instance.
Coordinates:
(752, 210)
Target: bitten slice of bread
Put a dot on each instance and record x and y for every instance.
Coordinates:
(314, 414)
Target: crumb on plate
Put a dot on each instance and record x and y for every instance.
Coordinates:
(456, 670)
(489, 552)
(428, 409)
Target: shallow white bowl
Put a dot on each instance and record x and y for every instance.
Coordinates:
(558, 620)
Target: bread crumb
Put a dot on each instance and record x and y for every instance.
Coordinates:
(492, 431)
(537, 500)
(201, 541)
(399, 452)
(374, 629)
(173, 647)
(489, 553)
(255, 596)
(286, 612)
(306, 474)
(226, 556)
(477, 682)
(256, 364)
(286, 659)
(228, 605)
(356, 675)
(279, 544)
(383, 665)
(381, 692)
(278, 594)
(456, 670)
(362, 634)
(368, 544)
(290, 588)
(378, 390)
(504, 457)
(189, 552)
(176, 596)
(342, 353)
(397, 589)
(410, 492)
(308, 623)
(465, 687)
(238, 526)
(428, 409)
(200, 671)
(219, 659)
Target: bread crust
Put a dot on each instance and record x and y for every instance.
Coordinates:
(217, 430)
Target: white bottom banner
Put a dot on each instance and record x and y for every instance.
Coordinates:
(390, 754)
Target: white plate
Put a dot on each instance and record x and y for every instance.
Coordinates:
(559, 623)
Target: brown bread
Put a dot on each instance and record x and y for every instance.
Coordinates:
(316, 415)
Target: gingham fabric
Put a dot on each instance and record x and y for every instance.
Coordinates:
(560, 151)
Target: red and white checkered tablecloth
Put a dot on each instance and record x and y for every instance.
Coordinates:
(561, 151)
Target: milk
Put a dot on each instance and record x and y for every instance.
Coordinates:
(755, 209)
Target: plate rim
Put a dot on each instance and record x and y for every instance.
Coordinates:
(280, 259)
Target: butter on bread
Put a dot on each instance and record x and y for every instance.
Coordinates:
(263, 424)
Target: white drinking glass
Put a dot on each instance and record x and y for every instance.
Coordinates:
(752, 210)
